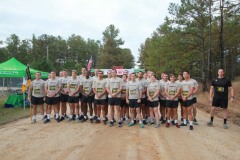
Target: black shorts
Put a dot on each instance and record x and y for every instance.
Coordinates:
(37, 100)
(186, 103)
(100, 101)
(88, 99)
(194, 100)
(52, 100)
(114, 101)
(64, 97)
(80, 95)
(73, 99)
(144, 101)
(180, 100)
(133, 103)
(171, 104)
(220, 102)
(124, 103)
(152, 104)
(162, 102)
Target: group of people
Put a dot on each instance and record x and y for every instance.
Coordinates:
(133, 98)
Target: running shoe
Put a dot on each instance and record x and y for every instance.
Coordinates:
(106, 118)
(195, 122)
(141, 125)
(78, 119)
(225, 126)
(69, 119)
(98, 121)
(163, 121)
(34, 121)
(119, 124)
(157, 125)
(183, 124)
(58, 120)
(172, 122)
(45, 117)
(167, 124)
(144, 122)
(111, 124)
(191, 127)
(62, 118)
(176, 124)
(210, 123)
(135, 121)
(114, 120)
(46, 121)
(131, 124)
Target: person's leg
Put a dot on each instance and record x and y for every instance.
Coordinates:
(190, 116)
(184, 116)
(139, 116)
(155, 109)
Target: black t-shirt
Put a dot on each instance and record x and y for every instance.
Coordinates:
(221, 87)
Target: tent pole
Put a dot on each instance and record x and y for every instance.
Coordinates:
(24, 100)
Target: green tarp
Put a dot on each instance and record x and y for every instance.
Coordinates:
(14, 68)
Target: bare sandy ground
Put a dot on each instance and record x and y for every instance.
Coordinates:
(86, 141)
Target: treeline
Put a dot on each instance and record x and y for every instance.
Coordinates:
(199, 36)
(48, 52)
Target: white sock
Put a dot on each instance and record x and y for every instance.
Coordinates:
(184, 121)
(56, 115)
(140, 122)
(71, 116)
(191, 122)
(34, 117)
(176, 121)
(169, 121)
(48, 116)
(42, 116)
(77, 116)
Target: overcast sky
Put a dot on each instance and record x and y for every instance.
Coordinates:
(136, 19)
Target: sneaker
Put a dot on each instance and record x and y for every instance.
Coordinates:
(91, 120)
(95, 118)
(144, 122)
(141, 125)
(58, 120)
(150, 123)
(183, 124)
(98, 121)
(176, 124)
(225, 126)
(114, 120)
(46, 121)
(62, 118)
(167, 124)
(195, 122)
(163, 121)
(84, 119)
(157, 125)
(172, 122)
(106, 118)
(45, 117)
(65, 116)
(34, 121)
(119, 124)
(74, 117)
(191, 127)
(78, 119)
(69, 119)
(131, 124)
(81, 117)
(210, 123)
(42, 120)
(111, 124)
(135, 121)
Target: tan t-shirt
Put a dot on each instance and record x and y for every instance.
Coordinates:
(133, 89)
(114, 84)
(195, 84)
(87, 85)
(73, 85)
(143, 83)
(100, 86)
(152, 87)
(162, 89)
(53, 86)
(64, 81)
(186, 87)
(123, 92)
(37, 87)
(172, 89)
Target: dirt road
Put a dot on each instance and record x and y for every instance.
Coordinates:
(86, 141)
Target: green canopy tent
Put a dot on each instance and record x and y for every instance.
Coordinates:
(15, 69)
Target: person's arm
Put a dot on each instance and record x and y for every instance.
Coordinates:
(211, 93)
(30, 92)
(232, 94)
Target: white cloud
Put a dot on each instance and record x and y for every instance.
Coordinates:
(136, 19)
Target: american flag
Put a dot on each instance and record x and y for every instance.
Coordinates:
(89, 64)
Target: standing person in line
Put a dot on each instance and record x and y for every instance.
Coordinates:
(172, 90)
(180, 80)
(36, 95)
(52, 89)
(153, 89)
(95, 77)
(109, 76)
(162, 98)
(87, 96)
(219, 96)
(187, 91)
(124, 105)
(58, 104)
(144, 108)
(64, 94)
(114, 88)
(81, 77)
(133, 98)
(194, 101)
(99, 89)
(73, 88)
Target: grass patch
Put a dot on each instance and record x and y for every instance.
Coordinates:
(11, 114)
